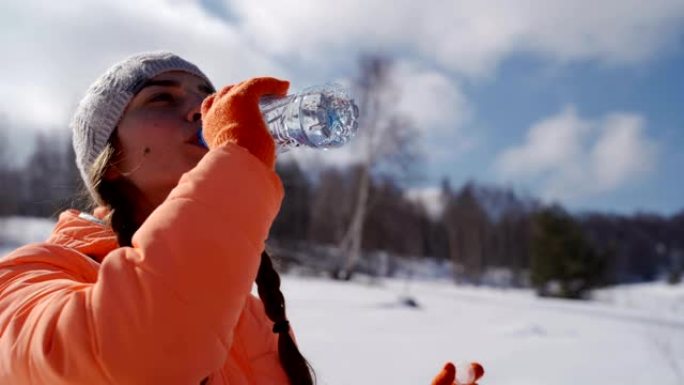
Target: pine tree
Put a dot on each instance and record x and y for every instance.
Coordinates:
(563, 262)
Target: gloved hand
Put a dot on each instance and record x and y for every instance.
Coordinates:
(233, 115)
(448, 375)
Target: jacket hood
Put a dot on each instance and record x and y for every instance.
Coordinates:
(85, 233)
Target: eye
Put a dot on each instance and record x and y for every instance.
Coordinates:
(161, 97)
(206, 89)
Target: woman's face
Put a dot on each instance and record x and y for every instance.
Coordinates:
(156, 139)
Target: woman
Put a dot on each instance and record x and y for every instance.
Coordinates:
(154, 287)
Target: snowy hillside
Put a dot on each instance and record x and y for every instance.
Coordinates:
(359, 333)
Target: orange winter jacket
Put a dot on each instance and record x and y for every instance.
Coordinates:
(173, 309)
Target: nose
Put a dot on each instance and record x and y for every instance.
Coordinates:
(194, 112)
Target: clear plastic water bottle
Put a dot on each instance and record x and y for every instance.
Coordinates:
(319, 117)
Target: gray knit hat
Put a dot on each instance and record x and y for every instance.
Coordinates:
(100, 111)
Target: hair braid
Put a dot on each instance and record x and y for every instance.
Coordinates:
(117, 194)
(295, 365)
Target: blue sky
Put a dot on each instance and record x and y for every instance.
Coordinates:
(525, 89)
(578, 102)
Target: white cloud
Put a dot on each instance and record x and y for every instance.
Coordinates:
(54, 50)
(574, 158)
(467, 37)
(65, 45)
(453, 39)
(552, 143)
(613, 31)
(430, 98)
(622, 151)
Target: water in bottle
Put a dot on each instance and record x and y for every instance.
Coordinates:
(319, 117)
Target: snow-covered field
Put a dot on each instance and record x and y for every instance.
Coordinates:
(360, 333)
(357, 333)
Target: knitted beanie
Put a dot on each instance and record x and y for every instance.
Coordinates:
(101, 109)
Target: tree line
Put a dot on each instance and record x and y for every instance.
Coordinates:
(47, 182)
(484, 228)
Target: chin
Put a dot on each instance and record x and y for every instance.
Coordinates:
(196, 153)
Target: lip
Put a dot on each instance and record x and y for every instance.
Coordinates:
(195, 139)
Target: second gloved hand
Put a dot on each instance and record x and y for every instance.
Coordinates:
(448, 375)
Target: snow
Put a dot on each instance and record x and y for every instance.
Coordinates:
(17, 231)
(358, 333)
(656, 298)
(362, 332)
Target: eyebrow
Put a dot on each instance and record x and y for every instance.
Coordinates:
(171, 83)
(160, 83)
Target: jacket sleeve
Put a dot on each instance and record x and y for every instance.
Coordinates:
(162, 311)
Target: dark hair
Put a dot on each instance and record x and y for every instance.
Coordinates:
(119, 196)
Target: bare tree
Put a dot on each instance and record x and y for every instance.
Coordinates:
(292, 223)
(386, 148)
(9, 193)
(50, 179)
(469, 234)
(4, 153)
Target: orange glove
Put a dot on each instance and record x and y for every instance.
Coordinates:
(448, 374)
(232, 115)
